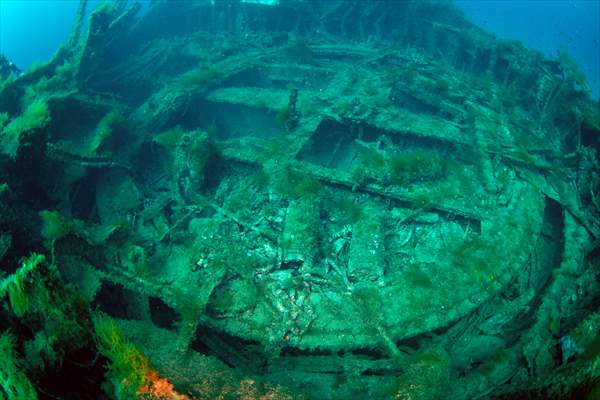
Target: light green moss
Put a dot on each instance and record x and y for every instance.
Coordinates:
(200, 78)
(18, 293)
(169, 139)
(13, 380)
(106, 128)
(17, 296)
(35, 116)
(4, 117)
(54, 225)
(127, 365)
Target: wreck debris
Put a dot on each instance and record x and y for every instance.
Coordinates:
(364, 199)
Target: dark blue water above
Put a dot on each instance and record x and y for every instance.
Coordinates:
(31, 30)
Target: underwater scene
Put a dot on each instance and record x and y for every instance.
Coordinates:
(297, 199)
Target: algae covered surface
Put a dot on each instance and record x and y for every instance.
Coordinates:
(313, 199)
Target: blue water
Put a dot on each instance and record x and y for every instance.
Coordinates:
(546, 25)
(31, 30)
